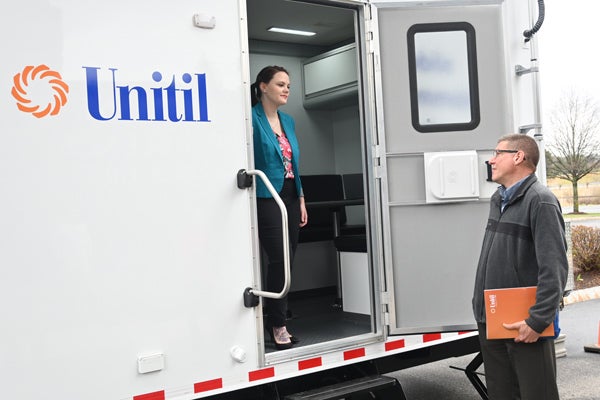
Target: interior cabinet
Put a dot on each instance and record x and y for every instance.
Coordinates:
(330, 79)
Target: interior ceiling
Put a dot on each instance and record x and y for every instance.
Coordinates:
(332, 25)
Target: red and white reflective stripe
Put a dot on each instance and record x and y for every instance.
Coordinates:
(160, 395)
(393, 344)
(310, 363)
(261, 374)
(356, 353)
(206, 386)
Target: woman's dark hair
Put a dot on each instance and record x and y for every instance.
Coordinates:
(264, 76)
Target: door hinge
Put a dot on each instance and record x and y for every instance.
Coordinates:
(376, 172)
(369, 30)
(377, 161)
(368, 23)
(376, 151)
(385, 298)
(385, 301)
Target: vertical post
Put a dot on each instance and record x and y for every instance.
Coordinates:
(336, 232)
(537, 114)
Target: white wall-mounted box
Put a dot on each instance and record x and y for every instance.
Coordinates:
(451, 176)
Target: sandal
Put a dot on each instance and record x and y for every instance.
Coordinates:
(281, 337)
(294, 339)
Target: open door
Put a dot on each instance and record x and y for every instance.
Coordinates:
(443, 100)
(332, 292)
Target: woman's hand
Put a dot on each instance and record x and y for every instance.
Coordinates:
(303, 213)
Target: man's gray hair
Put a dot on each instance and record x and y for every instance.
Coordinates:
(526, 144)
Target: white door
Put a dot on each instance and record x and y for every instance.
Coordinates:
(443, 100)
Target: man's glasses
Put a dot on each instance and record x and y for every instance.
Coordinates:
(497, 152)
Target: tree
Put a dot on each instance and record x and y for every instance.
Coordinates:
(575, 146)
(550, 171)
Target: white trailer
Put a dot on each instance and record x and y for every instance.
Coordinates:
(128, 248)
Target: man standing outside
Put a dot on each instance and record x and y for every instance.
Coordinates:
(524, 245)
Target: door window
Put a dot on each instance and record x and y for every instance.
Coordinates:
(443, 77)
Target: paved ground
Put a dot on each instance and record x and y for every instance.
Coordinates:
(578, 371)
(593, 222)
(594, 208)
(579, 376)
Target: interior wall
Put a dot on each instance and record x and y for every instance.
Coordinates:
(315, 129)
(314, 265)
(329, 144)
(346, 137)
(329, 139)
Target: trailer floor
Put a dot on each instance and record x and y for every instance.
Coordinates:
(315, 318)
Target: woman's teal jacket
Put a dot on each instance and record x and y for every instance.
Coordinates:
(267, 153)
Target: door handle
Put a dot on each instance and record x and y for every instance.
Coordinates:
(244, 180)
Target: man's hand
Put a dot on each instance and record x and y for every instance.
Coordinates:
(525, 333)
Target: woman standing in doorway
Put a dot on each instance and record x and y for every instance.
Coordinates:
(276, 153)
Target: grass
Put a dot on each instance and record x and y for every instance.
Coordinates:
(580, 215)
(588, 189)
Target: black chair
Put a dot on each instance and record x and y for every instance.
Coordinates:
(351, 243)
(353, 186)
(320, 227)
(353, 190)
(327, 187)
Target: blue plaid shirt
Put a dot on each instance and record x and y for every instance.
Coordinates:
(507, 194)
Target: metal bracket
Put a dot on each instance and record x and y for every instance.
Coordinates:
(250, 299)
(488, 168)
(521, 70)
(244, 181)
(473, 375)
(527, 128)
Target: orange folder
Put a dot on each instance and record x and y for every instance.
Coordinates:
(507, 306)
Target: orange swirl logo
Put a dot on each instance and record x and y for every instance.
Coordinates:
(45, 83)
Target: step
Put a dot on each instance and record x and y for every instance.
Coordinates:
(344, 389)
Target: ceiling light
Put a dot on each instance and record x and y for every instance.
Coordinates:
(291, 31)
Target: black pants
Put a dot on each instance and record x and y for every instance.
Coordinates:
(519, 371)
(271, 240)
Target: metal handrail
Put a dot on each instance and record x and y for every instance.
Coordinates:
(286, 240)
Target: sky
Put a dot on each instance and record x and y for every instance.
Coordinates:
(569, 57)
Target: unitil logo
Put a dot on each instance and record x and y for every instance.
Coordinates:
(45, 85)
